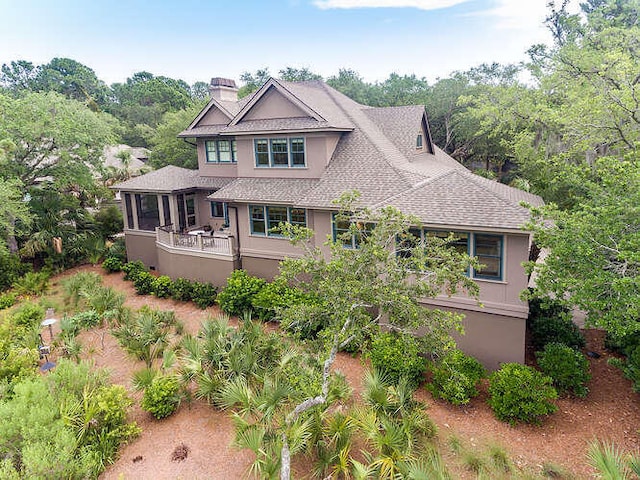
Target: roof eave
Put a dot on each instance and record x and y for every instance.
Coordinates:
(291, 130)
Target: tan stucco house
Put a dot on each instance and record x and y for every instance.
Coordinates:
(283, 154)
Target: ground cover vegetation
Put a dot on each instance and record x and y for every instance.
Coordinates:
(570, 135)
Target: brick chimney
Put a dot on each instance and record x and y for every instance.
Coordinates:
(223, 89)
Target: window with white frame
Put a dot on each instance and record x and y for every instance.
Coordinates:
(280, 152)
(265, 219)
(221, 151)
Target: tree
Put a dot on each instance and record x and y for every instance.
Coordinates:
(56, 139)
(291, 74)
(253, 81)
(19, 75)
(74, 80)
(13, 209)
(593, 259)
(353, 86)
(166, 148)
(358, 287)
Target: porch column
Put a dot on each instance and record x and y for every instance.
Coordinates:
(173, 211)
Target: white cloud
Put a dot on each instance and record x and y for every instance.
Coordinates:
(420, 4)
(516, 14)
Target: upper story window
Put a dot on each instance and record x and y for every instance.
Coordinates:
(220, 210)
(419, 141)
(265, 219)
(280, 152)
(221, 151)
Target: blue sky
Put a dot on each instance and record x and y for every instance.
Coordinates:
(198, 39)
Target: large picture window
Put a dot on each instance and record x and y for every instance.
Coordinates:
(265, 219)
(280, 152)
(487, 248)
(221, 151)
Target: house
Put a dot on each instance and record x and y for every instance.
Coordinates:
(283, 154)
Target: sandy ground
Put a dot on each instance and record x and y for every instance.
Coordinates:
(610, 412)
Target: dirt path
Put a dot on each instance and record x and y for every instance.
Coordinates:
(610, 412)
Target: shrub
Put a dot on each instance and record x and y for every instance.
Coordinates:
(518, 393)
(105, 300)
(112, 264)
(117, 249)
(274, 296)
(11, 268)
(398, 356)
(79, 285)
(161, 398)
(181, 289)
(88, 319)
(203, 294)
(556, 329)
(630, 366)
(28, 315)
(32, 283)
(109, 221)
(132, 269)
(7, 300)
(568, 368)
(236, 297)
(455, 377)
(162, 286)
(143, 283)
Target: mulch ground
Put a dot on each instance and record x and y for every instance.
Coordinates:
(195, 442)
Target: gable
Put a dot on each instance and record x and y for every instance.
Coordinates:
(214, 116)
(273, 104)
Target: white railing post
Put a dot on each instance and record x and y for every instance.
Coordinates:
(172, 240)
(200, 246)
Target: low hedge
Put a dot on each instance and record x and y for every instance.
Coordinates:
(455, 377)
(398, 356)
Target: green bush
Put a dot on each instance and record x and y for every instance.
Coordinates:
(568, 368)
(181, 289)
(203, 294)
(87, 319)
(162, 397)
(455, 377)
(630, 366)
(79, 285)
(112, 264)
(109, 221)
(398, 356)
(28, 314)
(518, 393)
(11, 268)
(162, 286)
(143, 283)
(236, 297)
(32, 283)
(556, 329)
(274, 296)
(132, 269)
(7, 300)
(118, 249)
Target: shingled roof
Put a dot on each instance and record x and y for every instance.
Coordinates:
(172, 179)
(376, 155)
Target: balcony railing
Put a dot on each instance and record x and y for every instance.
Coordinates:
(218, 243)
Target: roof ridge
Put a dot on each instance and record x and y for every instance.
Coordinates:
(418, 185)
(374, 139)
(474, 178)
(298, 98)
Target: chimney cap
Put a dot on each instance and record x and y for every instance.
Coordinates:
(223, 82)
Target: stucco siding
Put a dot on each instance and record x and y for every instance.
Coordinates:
(195, 266)
(141, 246)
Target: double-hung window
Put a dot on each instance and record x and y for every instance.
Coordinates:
(265, 219)
(489, 250)
(221, 151)
(280, 152)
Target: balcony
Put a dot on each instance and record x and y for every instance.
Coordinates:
(217, 243)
